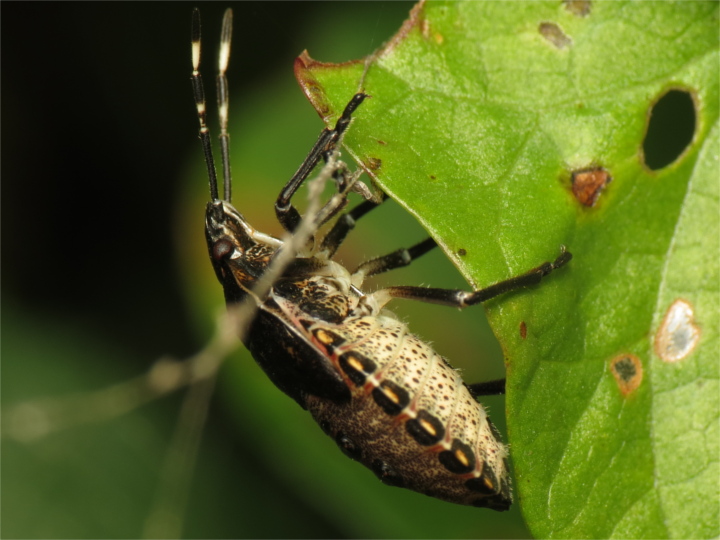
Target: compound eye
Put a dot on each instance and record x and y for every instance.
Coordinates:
(221, 249)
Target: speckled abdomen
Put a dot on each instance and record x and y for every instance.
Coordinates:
(411, 418)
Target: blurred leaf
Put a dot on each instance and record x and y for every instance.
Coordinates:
(92, 481)
(480, 112)
(99, 478)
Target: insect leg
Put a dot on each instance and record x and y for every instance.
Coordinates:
(396, 259)
(461, 299)
(343, 226)
(286, 213)
(488, 388)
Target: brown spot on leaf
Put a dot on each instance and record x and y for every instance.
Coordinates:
(678, 333)
(628, 372)
(554, 34)
(373, 163)
(425, 28)
(579, 8)
(588, 184)
(523, 330)
(462, 252)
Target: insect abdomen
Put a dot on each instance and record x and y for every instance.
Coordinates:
(411, 419)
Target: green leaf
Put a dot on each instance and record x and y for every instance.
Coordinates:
(480, 112)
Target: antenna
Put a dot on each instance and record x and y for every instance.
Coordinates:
(222, 97)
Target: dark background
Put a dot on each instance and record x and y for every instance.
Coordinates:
(99, 140)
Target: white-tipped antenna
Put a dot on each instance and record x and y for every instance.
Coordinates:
(199, 93)
(223, 99)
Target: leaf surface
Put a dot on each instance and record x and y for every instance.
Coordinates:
(480, 113)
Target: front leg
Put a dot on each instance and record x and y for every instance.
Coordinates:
(325, 145)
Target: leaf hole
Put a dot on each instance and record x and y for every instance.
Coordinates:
(670, 128)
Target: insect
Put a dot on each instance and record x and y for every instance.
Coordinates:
(389, 400)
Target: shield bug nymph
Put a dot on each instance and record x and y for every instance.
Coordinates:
(386, 397)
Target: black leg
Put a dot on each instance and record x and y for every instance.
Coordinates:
(396, 259)
(286, 213)
(346, 182)
(461, 299)
(488, 388)
(343, 226)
